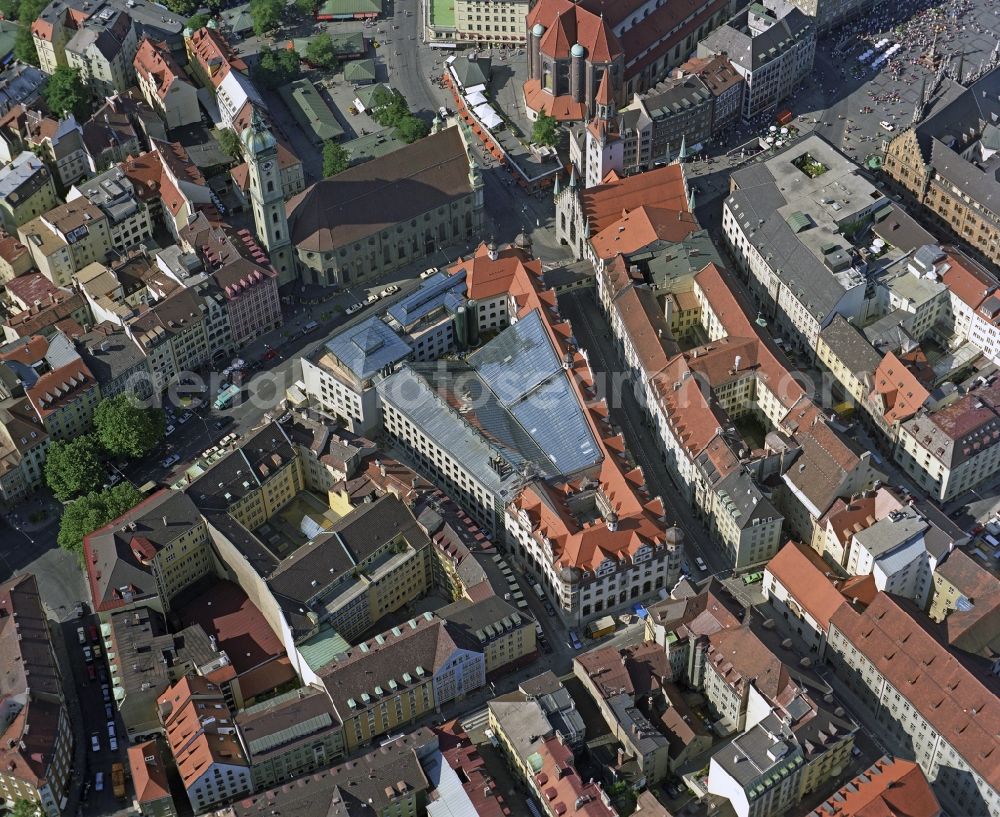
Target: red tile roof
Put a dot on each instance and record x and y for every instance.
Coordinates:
(638, 669)
(605, 203)
(226, 612)
(640, 518)
(958, 697)
(896, 390)
(31, 287)
(563, 108)
(806, 578)
(967, 280)
(562, 787)
(845, 518)
(487, 798)
(156, 61)
(149, 773)
(890, 787)
(194, 713)
(486, 279)
(641, 227)
(60, 387)
(567, 24)
(214, 55)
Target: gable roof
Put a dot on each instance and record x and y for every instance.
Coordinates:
(956, 694)
(807, 579)
(117, 556)
(367, 198)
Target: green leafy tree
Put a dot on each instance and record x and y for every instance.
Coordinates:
(277, 67)
(389, 108)
(336, 159)
(185, 8)
(93, 511)
(25, 808)
(66, 94)
(126, 429)
(321, 53)
(72, 467)
(266, 15)
(307, 8)
(410, 129)
(545, 131)
(198, 21)
(230, 142)
(24, 45)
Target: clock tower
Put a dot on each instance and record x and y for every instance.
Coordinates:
(267, 198)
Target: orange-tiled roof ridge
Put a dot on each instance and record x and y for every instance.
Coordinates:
(806, 577)
(149, 773)
(567, 24)
(890, 787)
(194, 713)
(485, 278)
(604, 90)
(563, 788)
(156, 60)
(662, 187)
(896, 390)
(640, 227)
(60, 387)
(562, 108)
(957, 694)
(215, 55)
(970, 282)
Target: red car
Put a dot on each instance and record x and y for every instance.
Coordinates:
(91, 672)
(270, 354)
(92, 632)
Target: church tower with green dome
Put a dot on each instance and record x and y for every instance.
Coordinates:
(267, 198)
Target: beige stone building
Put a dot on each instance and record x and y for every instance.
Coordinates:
(955, 448)
(947, 163)
(381, 215)
(289, 736)
(149, 780)
(26, 191)
(102, 51)
(67, 238)
(165, 86)
(172, 335)
(490, 22)
(156, 550)
(925, 702)
(849, 357)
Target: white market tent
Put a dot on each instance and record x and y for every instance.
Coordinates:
(485, 114)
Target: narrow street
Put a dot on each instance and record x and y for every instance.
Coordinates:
(590, 328)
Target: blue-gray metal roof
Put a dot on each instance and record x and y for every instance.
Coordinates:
(368, 347)
(433, 293)
(511, 397)
(523, 369)
(411, 392)
(517, 360)
(554, 418)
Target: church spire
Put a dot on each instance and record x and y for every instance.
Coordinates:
(604, 100)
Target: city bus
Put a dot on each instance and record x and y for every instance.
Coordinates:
(226, 397)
